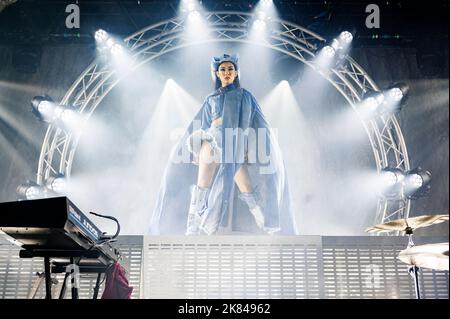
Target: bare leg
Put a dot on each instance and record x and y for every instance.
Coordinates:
(243, 180)
(206, 166)
(199, 196)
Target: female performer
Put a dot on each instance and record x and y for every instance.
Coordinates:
(228, 144)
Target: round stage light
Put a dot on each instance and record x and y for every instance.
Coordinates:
(43, 107)
(397, 184)
(392, 176)
(395, 94)
(101, 35)
(391, 186)
(346, 37)
(417, 183)
(398, 92)
(414, 180)
(47, 111)
(329, 52)
(30, 190)
(57, 184)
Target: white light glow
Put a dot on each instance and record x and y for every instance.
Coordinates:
(194, 15)
(346, 37)
(267, 2)
(101, 35)
(68, 116)
(395, 94)
(414, 181)
(57, 113)
(259, 25)
(370, 103)
(196, 28)
(117, 49)
(335, 45)
(261, 15)
(59, 185)
(33, 192)
(380, 98)
(329, 52)
(191, 6)
(109, 43)
(389, 178)
(45, 108)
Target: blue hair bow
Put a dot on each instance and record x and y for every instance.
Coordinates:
(216, 61)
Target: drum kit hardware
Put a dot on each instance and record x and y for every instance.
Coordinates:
(431, 256)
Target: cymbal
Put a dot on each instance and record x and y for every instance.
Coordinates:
(404, 223)
(432, 256)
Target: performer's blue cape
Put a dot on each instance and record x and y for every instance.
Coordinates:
(238, 109)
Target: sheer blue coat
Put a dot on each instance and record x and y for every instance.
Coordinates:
(241, 116)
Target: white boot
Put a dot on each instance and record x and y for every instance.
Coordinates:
(251, 199)
(197, 207)
(258, 215)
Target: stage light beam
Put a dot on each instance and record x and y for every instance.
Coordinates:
(117, 50)
(194, 15)
(259, 25)
(196, 29)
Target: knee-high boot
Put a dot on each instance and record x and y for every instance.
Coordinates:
(198, 205)
(252, 199)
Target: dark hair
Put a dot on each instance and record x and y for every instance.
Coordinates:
(236, 80)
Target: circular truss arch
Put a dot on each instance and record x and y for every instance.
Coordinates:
(349, 78)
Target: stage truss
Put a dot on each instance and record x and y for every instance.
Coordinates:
(348, 78)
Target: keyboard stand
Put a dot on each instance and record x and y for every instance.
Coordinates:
(74, 258)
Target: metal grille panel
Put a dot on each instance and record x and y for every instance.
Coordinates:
(231, 267)
(249, 267)
(367, 267)
(18, 275)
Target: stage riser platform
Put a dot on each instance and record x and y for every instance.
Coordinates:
(250, 267)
